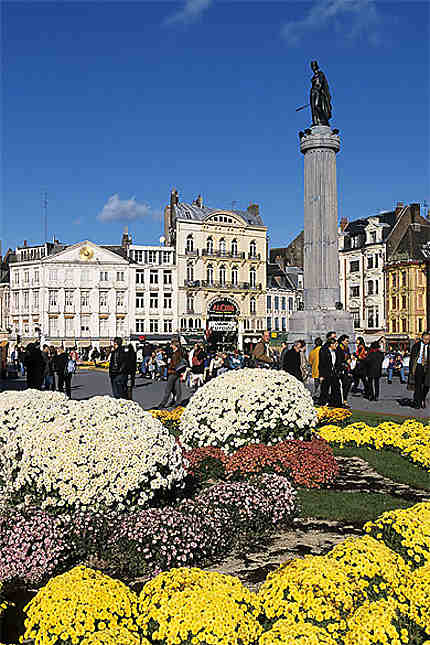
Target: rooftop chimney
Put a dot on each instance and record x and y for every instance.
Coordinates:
(343, 223)
(25, 242)
(415, 213)
(398, 209)
(254, 209)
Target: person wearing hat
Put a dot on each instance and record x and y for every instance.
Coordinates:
(118, 370)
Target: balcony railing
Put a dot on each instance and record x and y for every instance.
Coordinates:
(223, 254)
(254, 256)
(241, 286)
(191, 253)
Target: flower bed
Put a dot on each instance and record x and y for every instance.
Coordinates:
(98, 454)
(411, 438)
(307, 463)
(248, 406)
(332, 415)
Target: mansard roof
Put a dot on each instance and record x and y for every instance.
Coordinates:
(200, 213)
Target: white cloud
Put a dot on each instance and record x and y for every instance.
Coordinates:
(350, 19)
(125, 210)
(190, 12)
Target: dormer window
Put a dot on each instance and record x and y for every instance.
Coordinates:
(372, 237)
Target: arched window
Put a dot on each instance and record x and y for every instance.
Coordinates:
(210, 274)
(252, 277)
(252, 306)
(234, 276)
(190, 244)
(222, 246)
(234, 248)
(253, 249)
(198, 324)
(210, 246)
(183, 323)
(190, 304)
(190, 323)
(222, 274)
(190, 272)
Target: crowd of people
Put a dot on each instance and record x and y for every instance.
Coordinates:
(332, 370)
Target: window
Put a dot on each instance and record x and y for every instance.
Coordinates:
(68, 298)
(290, 304)
(234, 248)
(246, 323)
(69, 327)
(403, 278)
(284, 324)
(152, 257)
(404, 325)
(277, 324)
(153, 300)
(376, 261)
(153, 277)
(370, 288)
(85, 275)
(69, 275)
(190, 272)
(103, 299)
(356, 318)
(166, 257)
(393, 302)
(120, 297)
(373, 237)
(259, 324)
(269, 303)
(420, 324)
(26, 277)
(52, 275)
(138, 256)
(269, 323)
(252, 249)
(252, 277)
(35, 305)
(354, 291)
(16, 277)
(26, 328)
(53, 327)
(167, 326)
(370, 317)
(252, 306)
(210, 246)
(104, 327)
(36, 277)
(140, 300)
(183, 323)
(167, 277)
(167, 301)
(420, 301)
(234, 276)
(85, 298)
(26, 303)
(85, 325)
(153, 326)
(404, 304)
(394, 326)
(190, 304)
(190, 323)
(394, 280)
(222, 246)
(16, 300)
(222, 274)
(140, 325)
(104, 276)
(210, 274)
(370, 262)
(53, 298)
(283, 303)
(276, 303)
(189, 247)
(376, 286)
(140, 276)
(354, 266)
(120, 276)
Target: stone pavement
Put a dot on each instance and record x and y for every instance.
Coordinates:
(89, 382)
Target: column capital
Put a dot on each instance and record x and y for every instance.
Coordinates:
(320, 136)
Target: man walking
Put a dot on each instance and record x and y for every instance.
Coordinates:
(63, 366)
(177, 365)
(328, 368)
(261, 352)
(419, 370)
(118, 370)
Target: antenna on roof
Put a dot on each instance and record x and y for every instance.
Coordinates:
(44, 205)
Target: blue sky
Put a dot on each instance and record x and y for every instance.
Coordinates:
(108, 105)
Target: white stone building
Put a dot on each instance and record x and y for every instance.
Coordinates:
(78, 295)
(153, 311)
(284, 295)
(221, 263)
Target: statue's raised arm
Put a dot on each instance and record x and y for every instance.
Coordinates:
(320, 98)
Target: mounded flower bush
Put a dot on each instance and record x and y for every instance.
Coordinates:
(98, 454)
(248, 406)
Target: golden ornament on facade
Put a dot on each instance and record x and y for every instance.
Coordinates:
(86, 253)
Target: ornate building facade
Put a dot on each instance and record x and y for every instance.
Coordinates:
(221, 257)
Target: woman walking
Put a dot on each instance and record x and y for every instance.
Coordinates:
(359, 370)
(174, 370)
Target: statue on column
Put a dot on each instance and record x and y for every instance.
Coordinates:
(320, 98)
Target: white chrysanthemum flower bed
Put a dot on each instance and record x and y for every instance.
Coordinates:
(97, 454)
(248, 406)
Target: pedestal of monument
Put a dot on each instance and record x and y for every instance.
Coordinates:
(319, 146)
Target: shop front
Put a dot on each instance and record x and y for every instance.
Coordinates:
(222, 325)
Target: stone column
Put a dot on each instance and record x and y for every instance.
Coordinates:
(321, 275)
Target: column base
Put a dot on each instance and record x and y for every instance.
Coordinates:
(307, 325)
